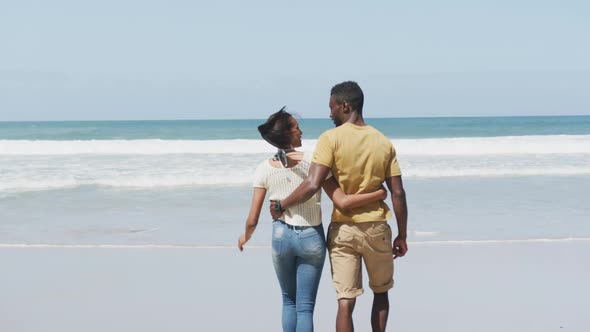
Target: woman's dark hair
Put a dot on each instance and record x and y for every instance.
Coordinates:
(276, 129)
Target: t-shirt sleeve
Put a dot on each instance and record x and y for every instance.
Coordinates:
(393, 166)
(260, 177)
(309, 157)
(324, 152)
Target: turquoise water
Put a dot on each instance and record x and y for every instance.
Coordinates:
(312, 128)
(189, 182)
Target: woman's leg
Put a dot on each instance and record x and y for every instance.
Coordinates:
(312, 254)
(284, 263)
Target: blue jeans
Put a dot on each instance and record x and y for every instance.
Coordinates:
(298, 256)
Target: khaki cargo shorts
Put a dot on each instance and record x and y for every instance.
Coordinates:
(350, 243)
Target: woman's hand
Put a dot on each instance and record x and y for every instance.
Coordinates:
(276, 214)
(241, 241)
(383, 193)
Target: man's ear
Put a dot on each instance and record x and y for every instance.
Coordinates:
(346, 107)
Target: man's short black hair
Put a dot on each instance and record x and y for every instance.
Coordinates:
(349, 92)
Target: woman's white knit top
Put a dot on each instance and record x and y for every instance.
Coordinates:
(281, 182)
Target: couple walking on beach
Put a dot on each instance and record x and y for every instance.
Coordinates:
(351, 162)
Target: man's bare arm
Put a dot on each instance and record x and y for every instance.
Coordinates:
(400, 209)
(309, 186)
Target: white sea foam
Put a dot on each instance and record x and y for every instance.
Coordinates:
(38, 173)
(128, 182)
(426, 233)
(47, 165)
(478, 146)
(555, 144)
(214, 177)
(133, 147)
(496, 172)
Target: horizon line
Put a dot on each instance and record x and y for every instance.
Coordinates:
(302, 118)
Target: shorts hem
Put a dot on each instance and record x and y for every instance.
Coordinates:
(350, 294)
(382, 289)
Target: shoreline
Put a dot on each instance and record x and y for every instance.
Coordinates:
(181, 246)
(527, 286)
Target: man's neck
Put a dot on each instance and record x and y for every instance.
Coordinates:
(356, 119)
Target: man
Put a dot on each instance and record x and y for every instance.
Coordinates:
(361, 158)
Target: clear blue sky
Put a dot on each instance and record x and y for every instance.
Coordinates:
(81, 60)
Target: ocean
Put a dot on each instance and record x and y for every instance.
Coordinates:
(187, 182)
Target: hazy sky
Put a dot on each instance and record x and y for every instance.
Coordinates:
(82, 60)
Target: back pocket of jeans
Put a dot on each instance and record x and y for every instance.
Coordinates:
(313, 243)
(278, 232)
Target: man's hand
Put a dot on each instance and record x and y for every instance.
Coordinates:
(241, 241)
(273, 212)
(400, 247)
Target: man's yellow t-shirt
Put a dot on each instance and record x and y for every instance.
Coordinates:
(360, 158)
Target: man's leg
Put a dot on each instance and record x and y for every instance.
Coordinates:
(380, 311)
(344, 315)
(378, 257)
(345, 262)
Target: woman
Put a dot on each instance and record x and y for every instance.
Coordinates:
(298, 242)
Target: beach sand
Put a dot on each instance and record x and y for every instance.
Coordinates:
(485, 286)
